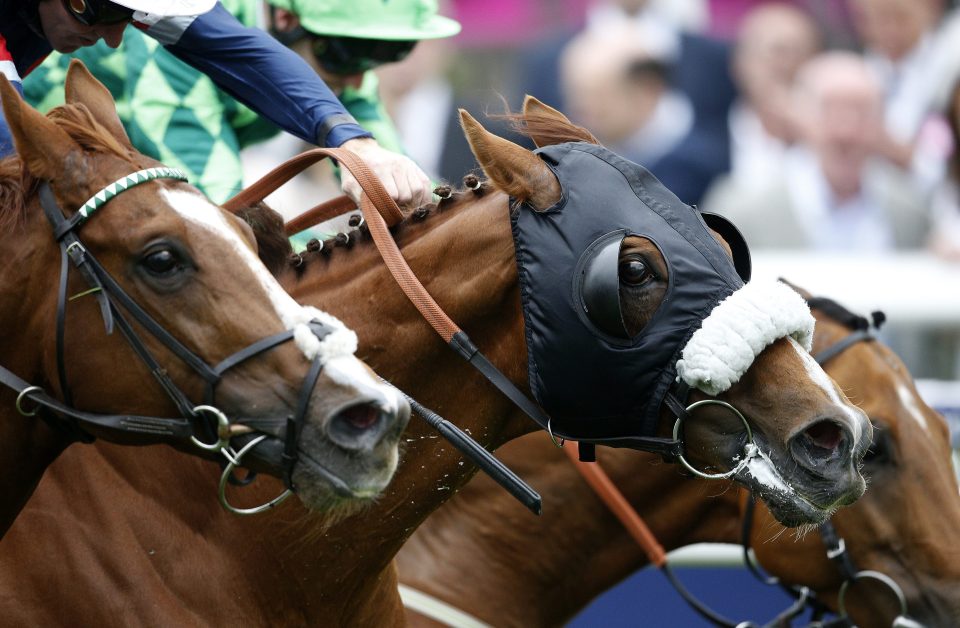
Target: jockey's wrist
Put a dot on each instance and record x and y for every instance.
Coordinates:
(359, 143)
(340, 134)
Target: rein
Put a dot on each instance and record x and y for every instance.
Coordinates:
(113, 302)
(834, 544)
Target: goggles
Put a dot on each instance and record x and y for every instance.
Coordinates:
(353, 55)
(93, 12)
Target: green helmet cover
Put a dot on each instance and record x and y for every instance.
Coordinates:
(400, 20)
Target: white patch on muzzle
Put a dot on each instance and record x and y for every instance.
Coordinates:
(338, 343)
(738, 329)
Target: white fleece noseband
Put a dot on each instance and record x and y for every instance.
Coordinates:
(738, 329)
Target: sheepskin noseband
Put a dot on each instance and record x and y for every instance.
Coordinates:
(738, 329)
(596, 381)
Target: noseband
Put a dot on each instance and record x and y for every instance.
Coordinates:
(215, 429)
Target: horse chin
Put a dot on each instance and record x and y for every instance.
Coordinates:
(787, 506)
(788, 493)
(324, 489)
(326, 479)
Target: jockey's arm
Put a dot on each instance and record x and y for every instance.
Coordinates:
(272, 80)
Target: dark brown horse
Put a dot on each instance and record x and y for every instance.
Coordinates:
(179, 560)
(190, 269)
(906, 526)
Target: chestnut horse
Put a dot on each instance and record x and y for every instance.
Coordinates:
(180, 278)
(178, 560)
(510, 571)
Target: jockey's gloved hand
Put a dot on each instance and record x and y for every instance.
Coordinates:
(404, 180)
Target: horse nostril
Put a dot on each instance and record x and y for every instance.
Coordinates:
(360, 417)
(359, 427)
(823, 445)
(825, 435)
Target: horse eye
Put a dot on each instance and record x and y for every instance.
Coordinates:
(879, 451)
(162, 262)
(634, 271)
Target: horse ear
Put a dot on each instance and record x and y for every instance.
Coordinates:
(806, 295)
(541, 123)
(535, 108)
(83, 87)
(511, 167)
(42, 145)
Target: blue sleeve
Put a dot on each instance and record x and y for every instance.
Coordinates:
(260, 72)
(6, 138)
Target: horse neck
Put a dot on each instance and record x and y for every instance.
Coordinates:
(526, 571)
(28, 282)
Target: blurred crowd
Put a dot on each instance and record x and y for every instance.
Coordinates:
(813, 124)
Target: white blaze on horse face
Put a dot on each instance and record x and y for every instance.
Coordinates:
(820, 378)
(198, 210)
(909, 401)
(348, 371)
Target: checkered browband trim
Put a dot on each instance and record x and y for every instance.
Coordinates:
(136, 178)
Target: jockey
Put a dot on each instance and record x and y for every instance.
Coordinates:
(348, 38)
(245, 62)
(345, 40)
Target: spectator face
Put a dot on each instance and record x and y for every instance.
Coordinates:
(841, 109)
(66, 34)
(632, 7)
(893, 27)
(597, 89)
(774, 41)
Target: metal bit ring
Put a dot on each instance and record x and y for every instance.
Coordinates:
(750, 448)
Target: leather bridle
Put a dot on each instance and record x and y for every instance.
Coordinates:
(206, 426)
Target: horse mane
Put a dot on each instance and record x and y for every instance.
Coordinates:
(17, 185)
(276, 252)
(845, 317)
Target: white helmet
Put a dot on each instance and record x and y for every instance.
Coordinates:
(168, 8)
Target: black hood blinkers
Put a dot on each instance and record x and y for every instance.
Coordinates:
(595, 381)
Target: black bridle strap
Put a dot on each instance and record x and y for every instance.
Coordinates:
(295, 423)
(61, 326)
(839, 347)
(166, 427)
(837, 550)
(72, 249)
(319, 330)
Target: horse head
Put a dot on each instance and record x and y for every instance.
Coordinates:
(902, 526)
(180, 278)
(628, 303)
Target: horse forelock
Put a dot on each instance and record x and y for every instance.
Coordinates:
(17, 185)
